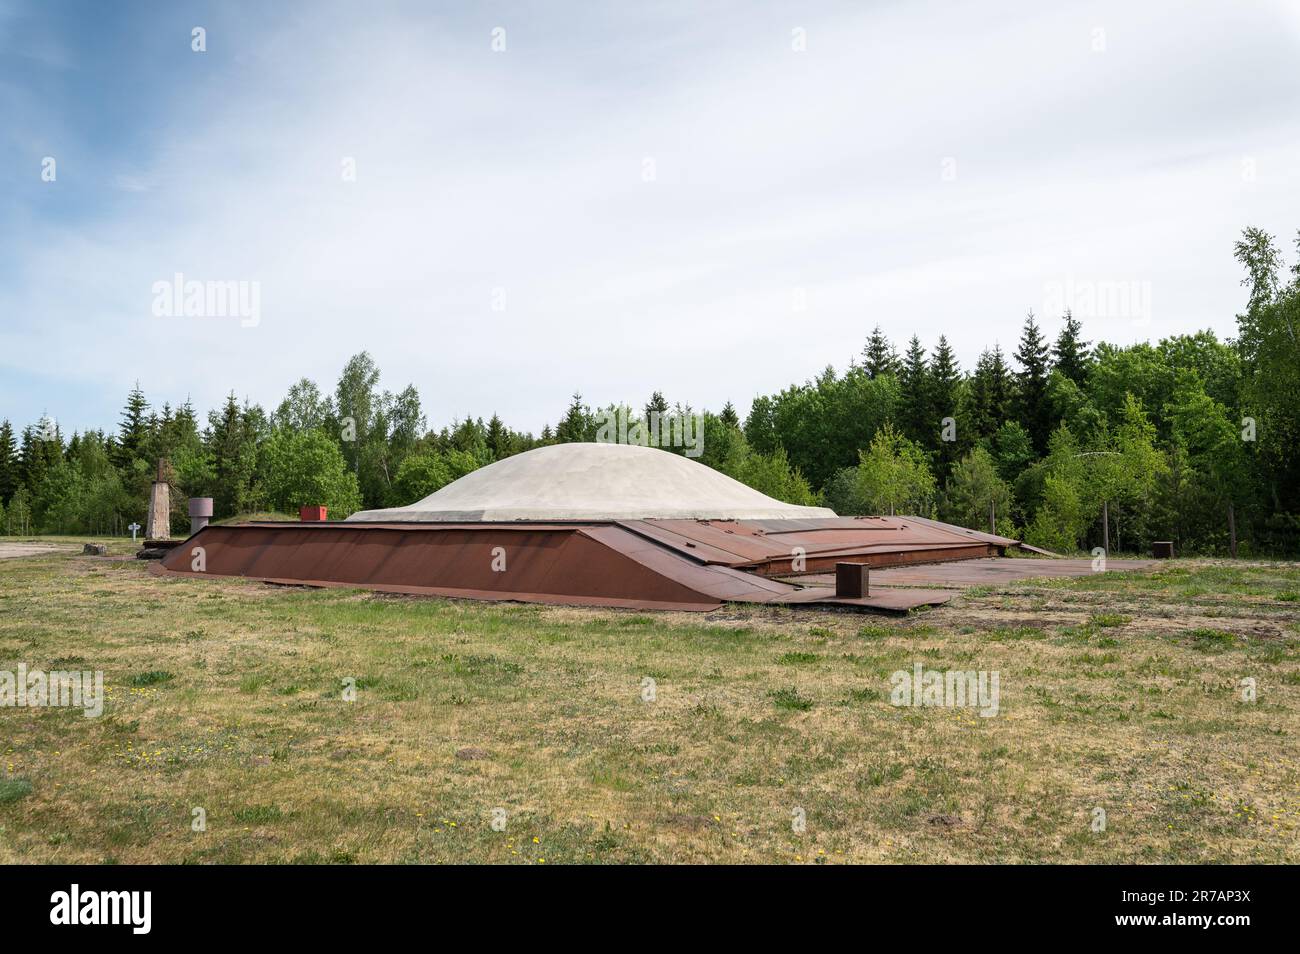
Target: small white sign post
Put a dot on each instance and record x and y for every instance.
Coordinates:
(133, 528)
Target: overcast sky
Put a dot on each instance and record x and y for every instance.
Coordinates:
(711, 199)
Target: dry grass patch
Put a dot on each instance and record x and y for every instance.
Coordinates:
(1120, 691)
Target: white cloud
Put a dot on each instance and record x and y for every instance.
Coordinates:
(522, 171)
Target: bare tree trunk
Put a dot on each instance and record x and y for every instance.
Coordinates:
(1232, 530)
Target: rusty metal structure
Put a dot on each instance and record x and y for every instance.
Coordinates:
(596, 524)
(645, 564)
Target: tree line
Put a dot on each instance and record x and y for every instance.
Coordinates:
(1166, 439)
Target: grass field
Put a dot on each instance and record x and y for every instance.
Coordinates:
(1119, 692)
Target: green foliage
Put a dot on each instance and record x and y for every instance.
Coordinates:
(133, 429)
(841, 493)
(879, 356)
(1030, 393)
(770, 474)
(375, 429)
(973, 486)
(790, 698)
(1013, 450)
(823, 424)
(426, 471)
(14, 789)
(498, 439)
(418, 476)
(943, 392)
(304, 408)
(1122, 469)
(1106, 620)
(1070, 352)
(1070, 405)
(304, 468)
(10, 471)
(1125, 471)
(722, 438)
(1269, 343)
(195, 471)
(1060, 520)
(913, 389)
(18, 516)
(987, 398)
(579, 424)
(232, 439)
(152, 677)
(894, 476)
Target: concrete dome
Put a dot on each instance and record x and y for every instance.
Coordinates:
(594, 482)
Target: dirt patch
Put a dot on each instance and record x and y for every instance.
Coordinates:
(11, 551)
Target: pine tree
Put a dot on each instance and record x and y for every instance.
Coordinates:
(943, 394)
(1030, 400)
(989, 394)
(913, 385)
(577, 423)
(177, 432)
(232, 442)
(134, 429)
(10, 476)
(944, 374)
(729, 415)
(879, 355)
(38, 455)
(1071, 353)
(185, 415)
(656, 406)
(498, 438)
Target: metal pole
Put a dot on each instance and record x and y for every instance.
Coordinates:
(1105, 527)
(993, 516)
(1232, 530)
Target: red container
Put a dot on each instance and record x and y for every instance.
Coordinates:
(311, 514)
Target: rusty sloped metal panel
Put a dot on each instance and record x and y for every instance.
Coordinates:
(882, 557)
(726, 542)
(721, 583)
(554, 564)
(771, 546)
(993, 538)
